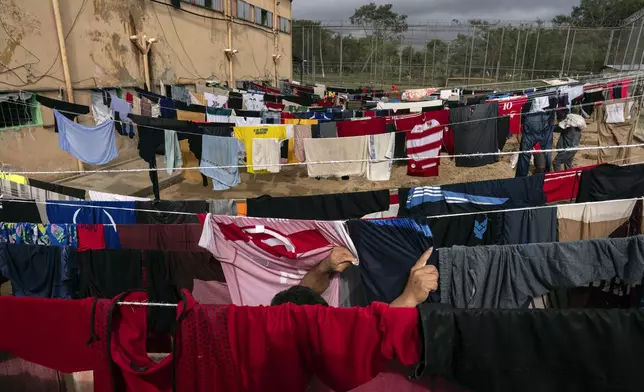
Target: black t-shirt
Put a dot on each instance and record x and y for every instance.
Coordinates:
(320, 207)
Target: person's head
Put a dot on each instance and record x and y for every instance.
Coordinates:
(298, 295)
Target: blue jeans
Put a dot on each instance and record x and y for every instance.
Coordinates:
(537, 128)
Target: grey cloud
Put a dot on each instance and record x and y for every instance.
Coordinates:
(439, 10)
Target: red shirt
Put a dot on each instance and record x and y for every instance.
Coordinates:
(217, 348)
(406, 122)
(512, 107)
(350, 128)
(563, 185)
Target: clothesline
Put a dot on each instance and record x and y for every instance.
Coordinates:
(58, 203)
(474, 155)
(160, 304)
(602, 78)
(394, 115)
(616, 77)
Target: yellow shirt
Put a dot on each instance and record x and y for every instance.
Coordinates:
(14, 178)
(297, 121)
(247, 133)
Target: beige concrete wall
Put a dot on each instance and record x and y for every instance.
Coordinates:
(189, 49)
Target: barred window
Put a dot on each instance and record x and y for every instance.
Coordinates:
(19, 110)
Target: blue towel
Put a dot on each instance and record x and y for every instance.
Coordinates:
(95, 145)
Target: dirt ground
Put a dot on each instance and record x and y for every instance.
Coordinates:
(294, 181)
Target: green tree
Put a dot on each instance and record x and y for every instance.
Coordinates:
(379, 20)
(600, 13)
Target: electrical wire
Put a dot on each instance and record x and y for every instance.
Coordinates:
(46, 73)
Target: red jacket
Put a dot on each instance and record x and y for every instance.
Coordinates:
(216, 348)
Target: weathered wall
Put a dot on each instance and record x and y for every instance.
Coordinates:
(189, 49)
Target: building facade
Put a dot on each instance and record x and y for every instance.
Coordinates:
(194, 41)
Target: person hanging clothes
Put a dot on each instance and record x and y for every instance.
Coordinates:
(262, 257)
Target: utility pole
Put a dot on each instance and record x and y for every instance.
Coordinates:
(63, 56)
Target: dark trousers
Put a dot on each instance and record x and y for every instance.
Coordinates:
(537, 128)
(569, 139)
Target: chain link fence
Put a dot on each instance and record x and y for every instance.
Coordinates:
(459, 54)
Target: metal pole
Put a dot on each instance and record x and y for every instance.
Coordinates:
(469, 74)
(433, 61)
(449, 43)
(487, 45)
(610, 46)
(534, 59)
(400, 65)
(619, 40)
(311, 52)
(425, 61)
(303, 52)
(314, 76)
(563, 61)
(637, 44)
(572, 50)
(628, 44)
(498, 64)
(341, 44)
(516, 54)
(321, 57)
(375, 63)
(525, 47)
(465, 63)
(639, 67)
(63, 55)
(411, 49)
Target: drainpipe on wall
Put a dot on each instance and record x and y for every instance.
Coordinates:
(229, 52)
(275, 42)
(63, 56)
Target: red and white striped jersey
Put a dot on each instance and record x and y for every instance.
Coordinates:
(423, 149)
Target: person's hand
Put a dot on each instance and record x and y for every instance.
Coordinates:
(318, 278)
(423, 279)
(338, 260)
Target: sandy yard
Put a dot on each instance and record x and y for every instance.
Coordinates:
(294, 181)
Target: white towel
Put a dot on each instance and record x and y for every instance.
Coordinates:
(381, 147)
(336, 149)
(539, 104)
(615, 113)
(266, 154)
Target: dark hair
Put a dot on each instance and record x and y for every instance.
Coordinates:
(298, 295)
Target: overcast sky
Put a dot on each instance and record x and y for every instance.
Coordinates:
(439, 10)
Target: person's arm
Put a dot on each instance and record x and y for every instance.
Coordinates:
(319, 277)
(423, 279)
(49, 332)
(281, 347)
